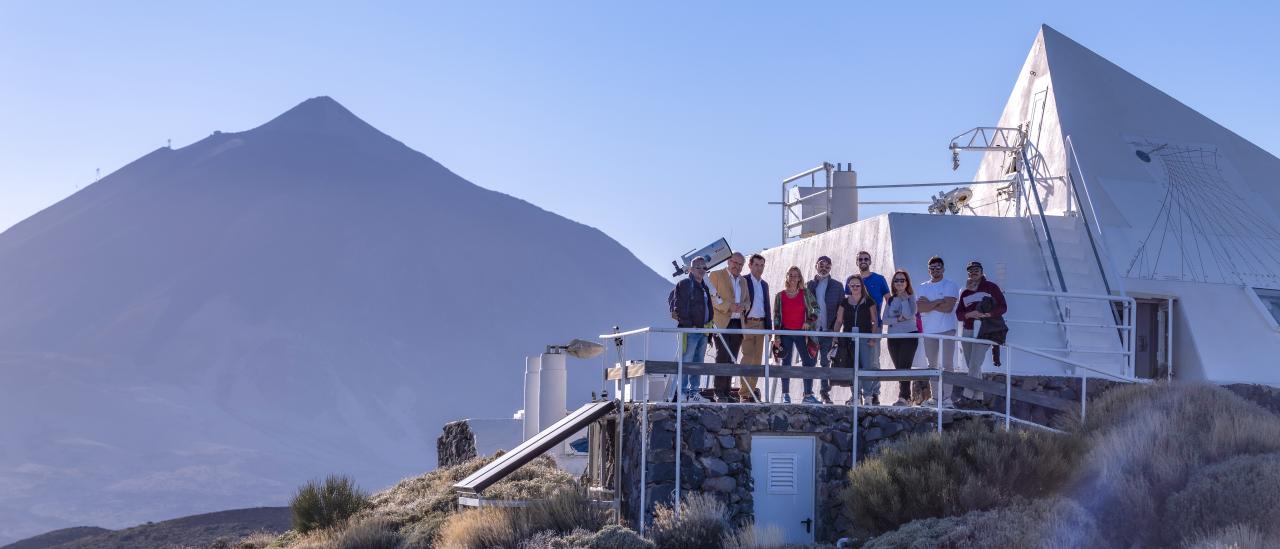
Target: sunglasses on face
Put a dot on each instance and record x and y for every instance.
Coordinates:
(899, 281)
(935, 268)
(975, 270)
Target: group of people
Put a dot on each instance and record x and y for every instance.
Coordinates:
(865, 303)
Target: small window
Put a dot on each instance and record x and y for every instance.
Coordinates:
(1269, 301)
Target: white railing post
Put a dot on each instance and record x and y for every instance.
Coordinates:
(1084, 391)
(1008, 387)
(857, 397)
(679, 424)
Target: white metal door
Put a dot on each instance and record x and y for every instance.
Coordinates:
(782, 468)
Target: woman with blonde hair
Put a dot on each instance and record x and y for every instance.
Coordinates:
(794, 308)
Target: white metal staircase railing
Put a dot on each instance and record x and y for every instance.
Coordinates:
(1070, 246)
(626, 378)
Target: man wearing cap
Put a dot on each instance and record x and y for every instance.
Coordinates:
(692, 309)
(829, 292)
(978, 290)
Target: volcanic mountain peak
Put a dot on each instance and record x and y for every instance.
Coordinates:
(319, 115)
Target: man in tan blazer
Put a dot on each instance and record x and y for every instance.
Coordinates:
(730, 304)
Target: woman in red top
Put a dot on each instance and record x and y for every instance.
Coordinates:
(795, 308)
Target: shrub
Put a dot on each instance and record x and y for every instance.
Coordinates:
(256, 540)
(609, 537)
(618, 537)
(1243, 491)
(568, 509)
(1055, 523)
(372, 534)
(701, 522)
(1233, 537)
(480, 529)
(932, 475)
(753, 536)
(420, 506)
(1147, 441)
(325, 505)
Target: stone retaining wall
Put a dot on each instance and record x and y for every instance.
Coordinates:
(716, 450)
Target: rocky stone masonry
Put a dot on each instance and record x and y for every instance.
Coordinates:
(716, 456)
(456, 445)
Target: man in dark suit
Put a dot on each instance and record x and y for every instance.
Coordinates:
(829, 291)
(758, 317)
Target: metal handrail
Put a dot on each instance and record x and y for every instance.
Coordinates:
(618, 390)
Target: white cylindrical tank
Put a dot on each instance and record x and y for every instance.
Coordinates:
(552, 386)
(532, 373)
(844, 197)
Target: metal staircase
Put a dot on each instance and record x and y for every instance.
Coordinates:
(1091, 329)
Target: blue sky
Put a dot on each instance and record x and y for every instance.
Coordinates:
(664, 124)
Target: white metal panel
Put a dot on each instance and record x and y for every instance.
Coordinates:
(783, 472)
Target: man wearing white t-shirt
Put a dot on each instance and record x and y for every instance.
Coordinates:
(937, 305)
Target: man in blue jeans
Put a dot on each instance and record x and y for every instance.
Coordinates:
(692, 309)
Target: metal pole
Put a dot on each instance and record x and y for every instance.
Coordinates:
(1084, 391)
(767, 391)
(830, 192)
(1053, 252)
(937, 399)
(644, 451)
(1168, 326)
(1008, 387)
(854, 342)
(617, 455)
(679, 417)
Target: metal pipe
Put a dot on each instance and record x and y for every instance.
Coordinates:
(855, 389)
(1008, 389)
(803, 221)
(679, 423)
(1084, 391)
(617, 455)
(947, 184)
(1035, 193)
(878, 202)
(1169, 339)
(809, 171)
(644, 454)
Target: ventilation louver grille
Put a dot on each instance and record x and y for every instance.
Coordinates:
(782, 473)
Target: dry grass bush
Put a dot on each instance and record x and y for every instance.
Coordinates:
(256, 540)
(754, 536)
(317, 505)
(315, 539)
(1147, 441)
(932, 475)
(566, 510)
(1233, 537)
(609, 537)
(1243, 491)
(370, 534)
(419, 506)
(1054, 523)
(701, 523)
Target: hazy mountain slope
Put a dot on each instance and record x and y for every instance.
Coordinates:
(209, 326)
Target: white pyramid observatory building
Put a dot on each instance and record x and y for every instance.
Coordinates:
(1184, 207)
(1143, 197)
(210, 326)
